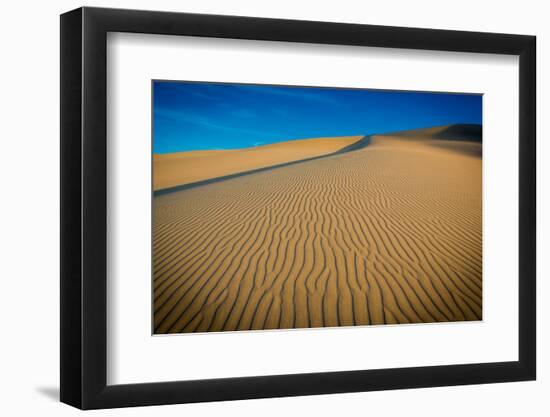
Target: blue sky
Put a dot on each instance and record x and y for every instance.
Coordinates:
(205, 116)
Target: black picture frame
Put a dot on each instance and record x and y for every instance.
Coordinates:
(84, 207)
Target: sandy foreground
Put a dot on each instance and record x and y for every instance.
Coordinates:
(387, 233)
(170, 170)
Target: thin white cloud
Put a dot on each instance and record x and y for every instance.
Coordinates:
(204, 122)
(300, 93)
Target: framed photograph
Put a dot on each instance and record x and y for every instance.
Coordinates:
(257, 208)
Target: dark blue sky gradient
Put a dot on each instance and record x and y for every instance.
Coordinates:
(207, 116)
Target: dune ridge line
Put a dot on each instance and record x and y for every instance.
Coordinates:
(360, 143)
(180, 168)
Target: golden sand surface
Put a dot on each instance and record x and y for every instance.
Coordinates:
(390, 233)
(179, 168)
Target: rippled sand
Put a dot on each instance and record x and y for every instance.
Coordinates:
(387, 233)
(181, 168)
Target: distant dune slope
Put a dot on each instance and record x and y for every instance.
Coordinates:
(460, 132)
(463, 138)
(388, 233)
(170, 170)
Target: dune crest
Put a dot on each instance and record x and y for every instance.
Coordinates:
(176, 169)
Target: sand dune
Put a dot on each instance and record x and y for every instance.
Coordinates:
(174, 169)
(388, 233)
(465, 139)
(457, 132)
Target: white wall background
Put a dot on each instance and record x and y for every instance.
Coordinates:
(29, 226)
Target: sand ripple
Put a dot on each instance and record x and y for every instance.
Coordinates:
(390, 233)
